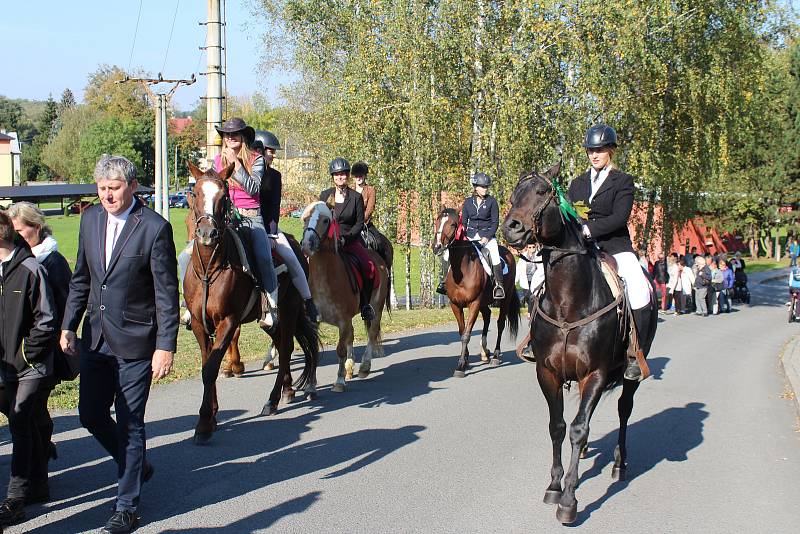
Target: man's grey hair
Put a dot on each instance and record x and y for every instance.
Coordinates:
(114, 168)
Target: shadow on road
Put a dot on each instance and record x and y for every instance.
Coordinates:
(665, 436)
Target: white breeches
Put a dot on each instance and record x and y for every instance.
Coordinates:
(286, 253)
(491, 246)
(636, 283)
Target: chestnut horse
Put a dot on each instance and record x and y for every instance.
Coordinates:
(580, 328)
(337, 302)
(468, 286)
(221, 296)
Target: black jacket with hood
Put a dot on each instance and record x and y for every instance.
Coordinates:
(27, 318)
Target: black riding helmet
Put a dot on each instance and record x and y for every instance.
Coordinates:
(481, 179)
(360, 169)
(599, 136)
(267, 140)
(338, 165)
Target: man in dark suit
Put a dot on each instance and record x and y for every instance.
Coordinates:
(125, 281)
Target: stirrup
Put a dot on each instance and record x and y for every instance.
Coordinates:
(499, 293)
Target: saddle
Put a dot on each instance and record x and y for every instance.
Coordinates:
(242, 238)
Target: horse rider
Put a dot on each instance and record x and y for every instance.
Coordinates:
(608, 192)
(359, 173)
(480, 216)
(244, 188)
(349, 213)
(267, 144)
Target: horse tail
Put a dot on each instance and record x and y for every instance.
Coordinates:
(307, 336)
(512, 312)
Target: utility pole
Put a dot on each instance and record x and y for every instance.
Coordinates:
(161, 102)
(214, 78)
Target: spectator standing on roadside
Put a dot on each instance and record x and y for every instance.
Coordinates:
(701, 285)
(717, 285)
(727, 286)
(27, 334)
(681, 285)
(660, 276)
(30, 224)
(794, 250)
(688, 259)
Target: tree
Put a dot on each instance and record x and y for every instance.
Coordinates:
(60, 154)
(11, 114)
(67, 100)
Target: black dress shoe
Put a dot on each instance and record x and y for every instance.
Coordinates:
(38, 493)
(121, 522)
(12, 511)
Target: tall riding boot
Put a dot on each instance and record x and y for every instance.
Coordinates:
(367, 311)
(499, 292)
(641, 321)
(442, 277)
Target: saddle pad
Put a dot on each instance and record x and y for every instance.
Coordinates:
(483, 255)
(612, 279)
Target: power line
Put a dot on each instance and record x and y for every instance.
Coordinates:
(169, 42)
(135, 33)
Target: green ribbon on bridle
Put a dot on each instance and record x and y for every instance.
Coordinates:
(566, 207)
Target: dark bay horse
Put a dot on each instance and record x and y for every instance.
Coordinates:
(468, 287)
(221, 296)
(589, 342)
(336, 301)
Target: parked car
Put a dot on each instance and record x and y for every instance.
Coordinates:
(296, 214)
(178, 200)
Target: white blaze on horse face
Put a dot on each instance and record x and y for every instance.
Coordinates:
(210, 190)
(441, 229)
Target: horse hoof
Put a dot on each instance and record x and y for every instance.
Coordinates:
(238, 375)
(226, 373)
(618, 473)
(495, 362)
(269, 409)
(201, 438)
(552, 496)
(311, 396)
(348, 376)
(459, 374)
(484, 357)
(337, 388)
(363, 374)
(288, 398)
(269, 367)
(567, 514)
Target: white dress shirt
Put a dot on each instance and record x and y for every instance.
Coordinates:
(114, 229)
(596, 179)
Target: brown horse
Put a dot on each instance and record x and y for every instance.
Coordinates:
(337, 302)
(581, 331)
(221, 296)
(468, 286)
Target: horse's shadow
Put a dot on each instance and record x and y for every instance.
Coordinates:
(246, 455)
(666, 436)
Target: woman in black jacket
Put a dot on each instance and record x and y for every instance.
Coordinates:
(608, 193)
(27, 336)
(348, 209)
(29, 222)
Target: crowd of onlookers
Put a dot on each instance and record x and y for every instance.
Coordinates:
(696, 283)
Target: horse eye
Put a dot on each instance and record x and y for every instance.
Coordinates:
(541, 191)
(325, 220)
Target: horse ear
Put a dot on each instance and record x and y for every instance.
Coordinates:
(553, 171)
(331, 202)
(227, 171)
(197, 173)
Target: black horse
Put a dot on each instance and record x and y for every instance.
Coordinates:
(578, 333)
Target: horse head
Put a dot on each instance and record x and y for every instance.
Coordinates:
(535, 216)
(445, 230)
(210, 203)
(316, 219)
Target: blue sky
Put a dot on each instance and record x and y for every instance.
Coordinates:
(51, 44)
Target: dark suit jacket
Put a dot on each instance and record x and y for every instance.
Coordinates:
(133, 304)
(349, 214)
(609, 210)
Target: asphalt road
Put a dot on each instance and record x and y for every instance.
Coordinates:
(713, 446)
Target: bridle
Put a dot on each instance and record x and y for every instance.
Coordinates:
(452, 242)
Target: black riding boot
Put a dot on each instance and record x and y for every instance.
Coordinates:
(311, 311)
(442, 277)
(367, 311)
(641, 321)
(499, 292)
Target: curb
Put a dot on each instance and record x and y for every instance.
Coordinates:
(790, 360)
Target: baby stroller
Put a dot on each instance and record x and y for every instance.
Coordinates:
(740, 291)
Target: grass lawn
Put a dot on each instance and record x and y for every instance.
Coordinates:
(765, 264)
